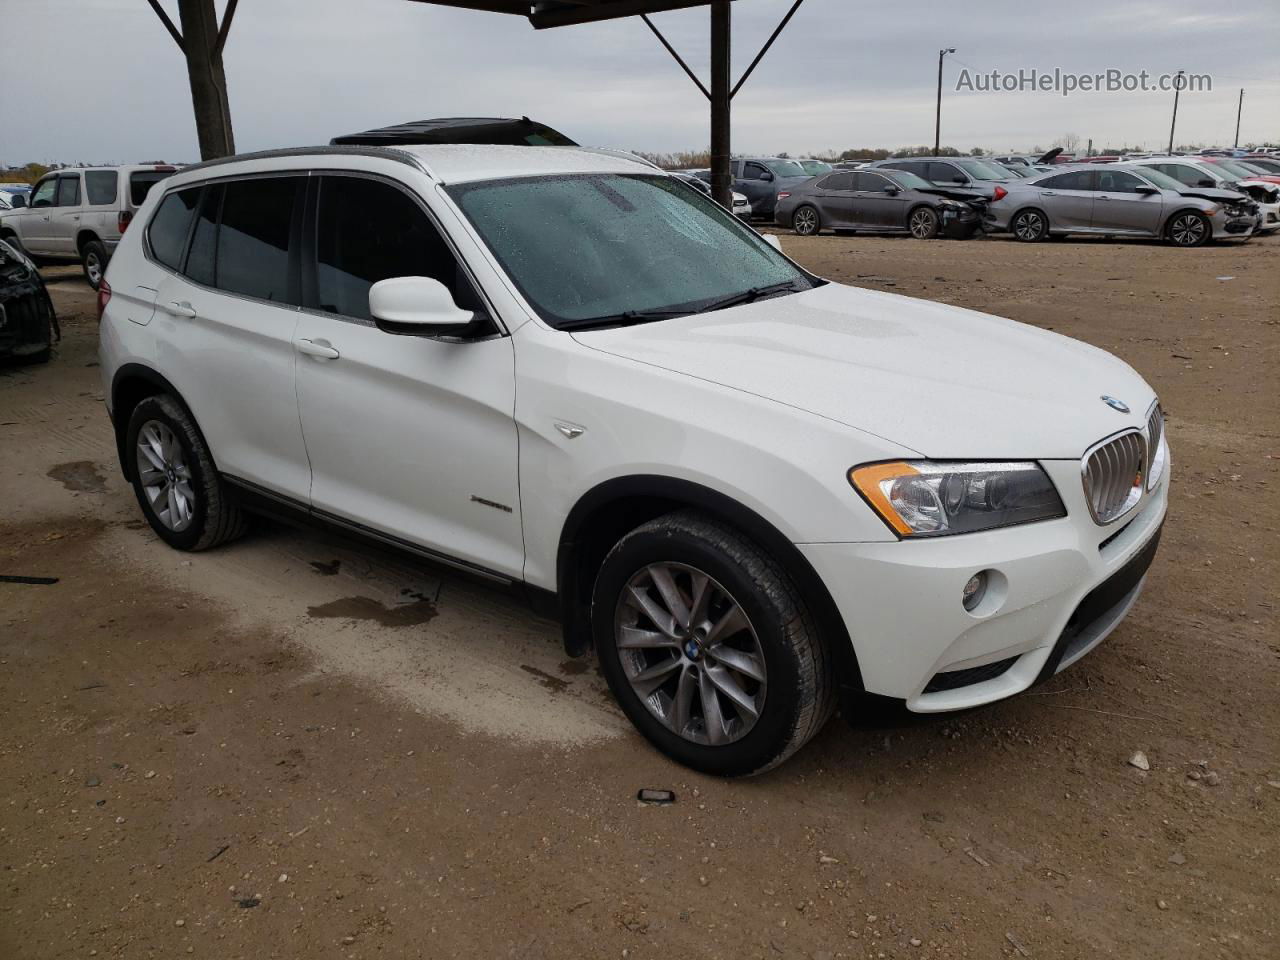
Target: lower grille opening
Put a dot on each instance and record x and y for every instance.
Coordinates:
(955, 679)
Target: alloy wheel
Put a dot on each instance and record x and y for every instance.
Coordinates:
(690, 653)
(165, 476)
(806, 221)
(93, 268)
(1029, 226)
(923, 224)
(1187, 230)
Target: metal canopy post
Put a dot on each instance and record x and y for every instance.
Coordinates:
(721, 175)
(559, 13)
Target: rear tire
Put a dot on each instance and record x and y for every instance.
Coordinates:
(744, 681)
(806, 221)
(1188, 228)
(93, 259)
(174, 479)
(1029, 226)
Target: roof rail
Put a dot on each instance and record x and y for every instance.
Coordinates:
(622, 154)
(384, 153)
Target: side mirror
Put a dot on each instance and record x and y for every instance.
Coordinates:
(959, 179)
(892, 190)
(766, 176)
(18, 200)
(1206, 182)
(415, 306)
(1148, 191)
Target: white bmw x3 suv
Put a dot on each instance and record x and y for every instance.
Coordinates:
(754, 492)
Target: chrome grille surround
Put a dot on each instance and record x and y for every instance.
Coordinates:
(1155, 434)
(1113, 472)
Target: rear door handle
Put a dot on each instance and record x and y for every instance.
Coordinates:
(181, 308)
(1104, 198)
(1049, 193)
(316, 348)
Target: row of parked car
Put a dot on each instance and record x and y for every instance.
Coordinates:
(1184, 200)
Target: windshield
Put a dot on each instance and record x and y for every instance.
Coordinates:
(907, 181)
(597, 246)
(785, 168)
(816, 167)
(981, 170)
(1161, 180)
(1237, 170)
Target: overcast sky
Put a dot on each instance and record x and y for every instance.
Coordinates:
(100, 80)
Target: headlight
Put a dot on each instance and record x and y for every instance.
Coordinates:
(922, 498)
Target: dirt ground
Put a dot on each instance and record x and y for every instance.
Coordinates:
(296, 747)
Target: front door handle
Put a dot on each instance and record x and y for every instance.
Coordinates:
(181, 308)
(316, 348)
(1048, 193)
(1104, 198)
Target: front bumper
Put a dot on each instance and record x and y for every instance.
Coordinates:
(1056, 589)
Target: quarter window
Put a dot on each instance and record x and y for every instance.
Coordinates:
(100, 186)
(167, 234)
(253, 238)
(69, 191)
(367, 231)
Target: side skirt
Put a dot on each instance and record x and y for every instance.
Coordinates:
(259, 500)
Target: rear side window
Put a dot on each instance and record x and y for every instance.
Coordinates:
(1078, 180)
(204, 239)
(838, 181)
(253, 238)
(69, 191)
(100, 186)
(167, 234)
(141, 182)
(368, 231)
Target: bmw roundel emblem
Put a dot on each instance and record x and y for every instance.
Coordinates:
(1115, 404)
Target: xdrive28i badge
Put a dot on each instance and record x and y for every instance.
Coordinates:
(1115, 404)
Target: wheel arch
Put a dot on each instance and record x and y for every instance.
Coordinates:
(130, 385)
(1178, 211)
(613, 508)
(84, 237)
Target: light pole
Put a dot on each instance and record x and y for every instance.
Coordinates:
(1239, 108)
(1177, 88)
(937, 123)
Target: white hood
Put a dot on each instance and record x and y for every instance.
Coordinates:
(946, 382)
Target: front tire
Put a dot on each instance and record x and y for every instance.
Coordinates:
(708, 647)
(93, 258)
(1188, 228)
(174, 479)
(923, 223)
(1029, 226)
(806, 221)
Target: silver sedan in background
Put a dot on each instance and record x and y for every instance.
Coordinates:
(1121, 200)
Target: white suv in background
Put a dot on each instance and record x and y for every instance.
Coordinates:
(79, 213)
(753, 491)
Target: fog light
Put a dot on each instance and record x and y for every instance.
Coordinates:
(974, 590)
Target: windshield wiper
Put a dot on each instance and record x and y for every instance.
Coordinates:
(750, 296)
(624, 319)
